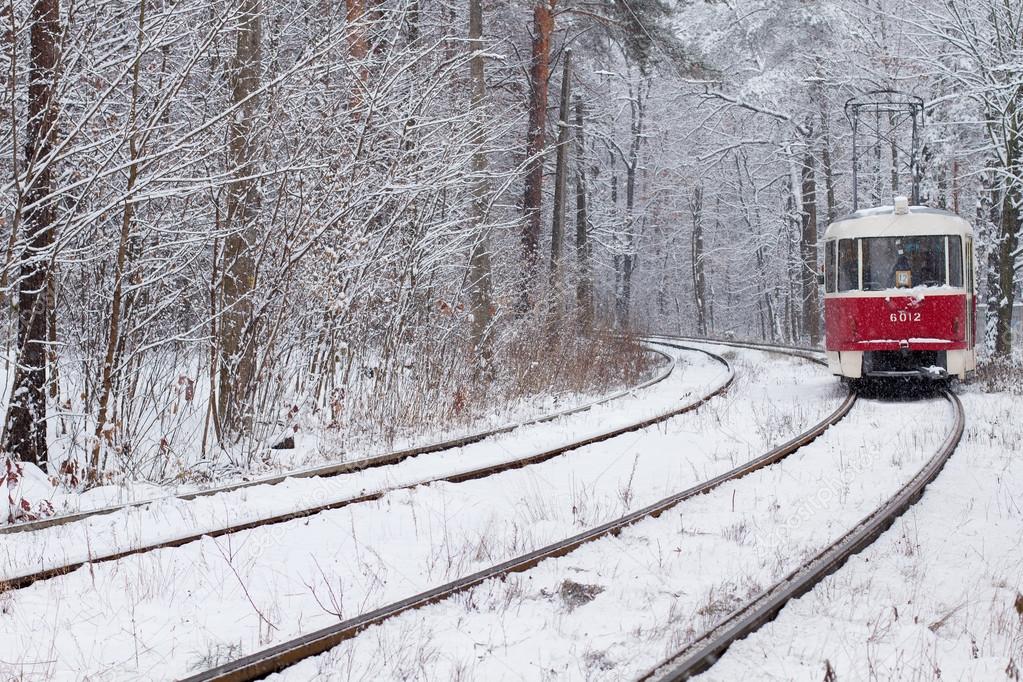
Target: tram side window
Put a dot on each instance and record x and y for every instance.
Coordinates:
(955, 261)
(830, 271)
(848, 265)
(970, 284)
(900, 262)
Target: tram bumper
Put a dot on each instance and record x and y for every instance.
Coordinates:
(932, 373)
(905, 363)
(901, 360)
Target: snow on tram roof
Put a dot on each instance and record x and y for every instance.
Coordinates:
(883, 221)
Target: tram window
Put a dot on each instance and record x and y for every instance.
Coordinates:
(970, 284)
(830, 271)
(955, 261)
(848, 265)
(899, 262)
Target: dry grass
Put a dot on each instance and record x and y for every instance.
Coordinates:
(574, 594)
(439, 388)
(568, 363)
(1000, 375)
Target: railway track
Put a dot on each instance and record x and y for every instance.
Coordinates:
(699, 655)
(279, 657)
(48, 572)
(803, 352)
(350, 467)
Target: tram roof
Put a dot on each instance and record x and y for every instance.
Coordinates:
(882, 221)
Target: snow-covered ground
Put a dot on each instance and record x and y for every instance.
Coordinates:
(938, 596)
(163, 613)
(614, 607)
(168, 518)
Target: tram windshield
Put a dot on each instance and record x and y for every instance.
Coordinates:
(905, 262)
(895, 263)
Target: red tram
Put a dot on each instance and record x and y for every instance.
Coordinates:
(899, 295)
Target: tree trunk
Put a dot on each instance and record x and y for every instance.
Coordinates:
(413, 20)
(1008, 244)
(794, 266)
(543, 28)
(955, 186)
(808, 251)
(104, 431)
(829, 175)
(51, 337)
(479, 260)
(355, 12)
(584, 285)
(628, 258)
(237, 355)
(26, 422)
(895, 157)
(561, 174)
(878, 191)
(696, 257)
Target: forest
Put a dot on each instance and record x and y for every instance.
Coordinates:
(228, 224)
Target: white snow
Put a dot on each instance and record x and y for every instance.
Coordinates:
(936, 592)
(161, 614)
(937, 596)
(660, 582)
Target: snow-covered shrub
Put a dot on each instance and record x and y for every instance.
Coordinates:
(26, 490)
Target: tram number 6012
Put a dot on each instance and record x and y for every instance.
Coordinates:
(904, 316)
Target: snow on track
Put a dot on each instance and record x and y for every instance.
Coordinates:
(166, 612)
(614, 607)
(939, 595)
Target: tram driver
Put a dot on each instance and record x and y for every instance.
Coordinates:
(903, 273)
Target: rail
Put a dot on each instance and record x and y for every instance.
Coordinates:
(705, 650)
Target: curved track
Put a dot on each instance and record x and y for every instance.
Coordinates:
(288, 653)
(347, 467)
(803, 352)
(704, 651)
(24, 580)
